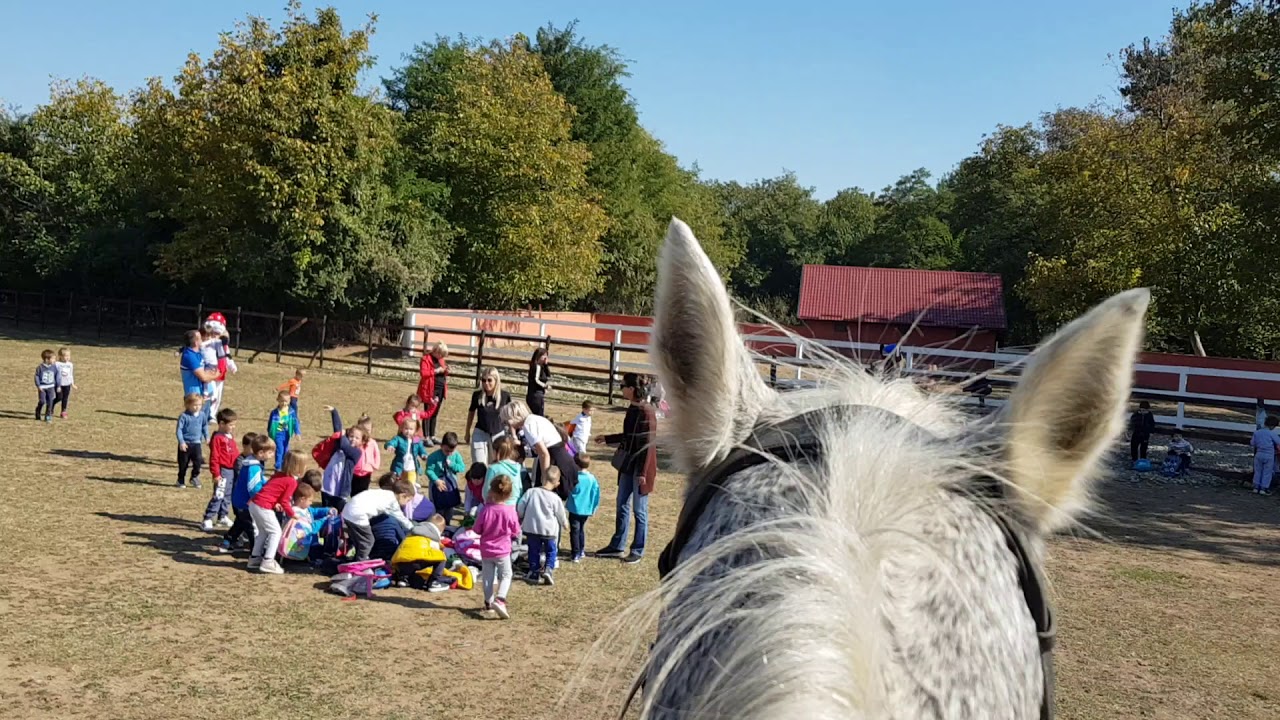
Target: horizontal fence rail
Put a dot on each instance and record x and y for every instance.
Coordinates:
(593, 367)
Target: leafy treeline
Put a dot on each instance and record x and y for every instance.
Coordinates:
(516, 172)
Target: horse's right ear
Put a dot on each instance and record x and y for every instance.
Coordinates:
(715, 390)
(1069, 407)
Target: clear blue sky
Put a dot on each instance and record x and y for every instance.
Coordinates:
(842, 93)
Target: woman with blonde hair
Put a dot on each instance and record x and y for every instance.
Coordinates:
(484, 412)
(549, 446)
(433, 377)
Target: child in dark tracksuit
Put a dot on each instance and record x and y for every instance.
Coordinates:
(1141, 424)
(46, 386)
(248, 472)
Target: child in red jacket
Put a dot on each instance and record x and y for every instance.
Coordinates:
(276, 493)
(222, 461)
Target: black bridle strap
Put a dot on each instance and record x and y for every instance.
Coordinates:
(796, 441)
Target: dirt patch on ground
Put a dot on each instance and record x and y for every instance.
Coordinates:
(114, 605)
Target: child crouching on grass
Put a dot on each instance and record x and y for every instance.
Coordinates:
(277, 493)
(542, 517)
(498, 526)
(222, 461)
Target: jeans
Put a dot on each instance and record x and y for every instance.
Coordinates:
(46, 398)
(193, 456)
(1264, 466)
(540, 546)
(630, 501)
(267, 541)
(499, 570)
(578, 534)
(220, 504)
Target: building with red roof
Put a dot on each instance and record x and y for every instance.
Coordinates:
(959, 310)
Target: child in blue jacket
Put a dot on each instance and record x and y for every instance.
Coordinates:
(581, 505)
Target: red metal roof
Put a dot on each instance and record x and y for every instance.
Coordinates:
(936, 298)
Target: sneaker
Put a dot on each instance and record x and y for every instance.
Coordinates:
(531, 578)
(547, 579)
(64, 415)
(196, 484)
(401, 583)
(576, 559)
(270, 567)
(1264, 492)
(488, 606)
(609, 553)
(224, 548)
(207, 526)
(225, 521)
(48, 418)
(255, 563)
(439, 586)
(633, 558)
(500, 607)
(182, 485)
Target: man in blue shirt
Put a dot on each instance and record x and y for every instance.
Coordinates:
(191, 364)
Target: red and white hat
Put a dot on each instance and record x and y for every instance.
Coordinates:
(216, 323)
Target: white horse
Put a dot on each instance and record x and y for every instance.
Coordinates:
(862, 550)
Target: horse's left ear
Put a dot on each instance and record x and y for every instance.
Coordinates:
(1069, 406)
(716, 392)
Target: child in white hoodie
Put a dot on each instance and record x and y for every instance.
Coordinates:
(363, 508)
(542, 517)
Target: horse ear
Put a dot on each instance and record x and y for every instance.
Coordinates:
(1069, 407)
(715, 390)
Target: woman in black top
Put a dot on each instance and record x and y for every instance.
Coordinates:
(485, 404)
(539, 382)
(633, 448)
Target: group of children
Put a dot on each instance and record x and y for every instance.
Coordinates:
(262, 485)
(54, 382)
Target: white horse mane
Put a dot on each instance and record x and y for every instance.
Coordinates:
(865, 586)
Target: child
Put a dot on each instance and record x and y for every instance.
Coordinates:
(312, 478)
(293, 386)
(542, 517)
(304, 534)
(282, 425)
(222, 460)
(442, 468)
(370, 460)
(46, 386)
(192, 431)
(408, 449)
(362, 508)
(1141, 424)
(248, 472)
(497, 525)
(1264, 444)
(412, 411)
(475, 486)
(508, 454)
(336, 485)
(582, 427)
(581, 506)
(66, 378)
(1181, 449)
(276, 494)
(422, 555)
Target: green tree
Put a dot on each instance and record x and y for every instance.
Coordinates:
(269, 176)
(496, 132)
(912, 230)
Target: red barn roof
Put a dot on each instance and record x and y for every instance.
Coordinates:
(936, 298)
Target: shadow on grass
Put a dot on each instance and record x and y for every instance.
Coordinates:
(140, 416)
(184, 549)
(381, 596)
(150, 520)
(128, 481)
(17, 415)
(113, 457)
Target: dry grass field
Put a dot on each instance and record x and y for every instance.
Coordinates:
(114, 606)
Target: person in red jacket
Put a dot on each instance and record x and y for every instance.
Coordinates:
(433, 378)
(276, 493)
(223, 454)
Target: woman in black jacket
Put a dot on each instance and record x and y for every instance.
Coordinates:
(636, 462)
(539, 382)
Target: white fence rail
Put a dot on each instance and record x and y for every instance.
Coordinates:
(1004, 367)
